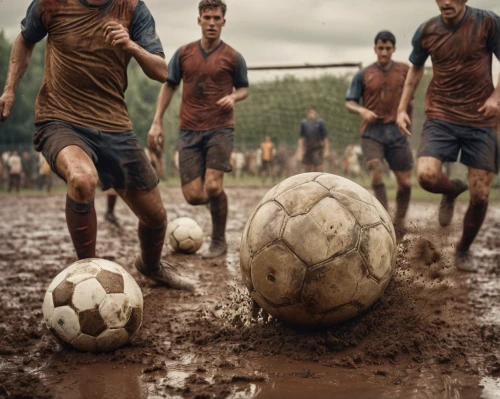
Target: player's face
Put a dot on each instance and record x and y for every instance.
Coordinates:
(384, 51)
(451, 9)
(211, 21)
(312, 115)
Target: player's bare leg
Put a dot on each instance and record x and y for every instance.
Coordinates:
(480, 185)
(76, 167)
(148, 207)
(210, 190)
(402, 200)
(433, 180)
(376, 169)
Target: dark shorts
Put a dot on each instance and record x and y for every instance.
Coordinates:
(313, 156)
(118, 157)
(202, 150)
(443, 141)
(383, 140)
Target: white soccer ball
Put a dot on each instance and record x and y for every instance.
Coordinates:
(185, 235)
(94, 305)
(317, 250)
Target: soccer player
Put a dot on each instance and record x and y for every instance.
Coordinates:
(82, 125)
(110, 216)
(380, 85)
(462, 110)
(314, 147)
(215, 78)
(267, 157)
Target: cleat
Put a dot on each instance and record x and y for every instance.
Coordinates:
(217, 248)
(111, 218)
(164, 274)
(464, 262)
(447, 206)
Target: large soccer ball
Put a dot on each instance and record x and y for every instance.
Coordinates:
(94, 305)
(185, 235)
(317, 250)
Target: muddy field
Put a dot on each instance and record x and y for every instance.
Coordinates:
(434, 334)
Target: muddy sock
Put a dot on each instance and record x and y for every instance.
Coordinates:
(473, 221)
(151, 241)
(82, 225)
(218, 209)
(381, 194)
(111, 202)
(443, 186)
(402, 203)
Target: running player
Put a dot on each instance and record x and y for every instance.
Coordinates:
(314, 146)
(380, 86)
(82, 124)
(211, 70)
(462, 110)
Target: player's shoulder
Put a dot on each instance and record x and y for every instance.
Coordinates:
(483, 15)
(188, 48)
(429, 26)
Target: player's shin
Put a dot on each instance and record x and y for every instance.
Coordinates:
(473, 221)
(381, 194)
(402, 203)
(151, 242)
(218, 210)
(82, 225)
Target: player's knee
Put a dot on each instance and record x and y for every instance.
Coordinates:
(83, 185)
(194, 198)
(213, 188)
(428, 179)
(404, 184)
(480, 196)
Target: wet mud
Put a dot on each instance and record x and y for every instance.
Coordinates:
(435, 333)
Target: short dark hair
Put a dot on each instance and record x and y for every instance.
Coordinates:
(385, 36)
(210, 4)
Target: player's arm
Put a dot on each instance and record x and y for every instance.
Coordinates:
(32, 31)
(411, 84)
(20, 58)
(240, 81)
(156, 133)
(491, 107)
(353, 97)
(418, 57)
(142, 42)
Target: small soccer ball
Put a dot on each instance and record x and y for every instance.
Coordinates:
(94, 305)
(317, 250)
(185, 235)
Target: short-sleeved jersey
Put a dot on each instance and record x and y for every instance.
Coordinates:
(314, 133)
(461, 57)
(379, 89)
(207, 77)
(267, 149)
(85, 79)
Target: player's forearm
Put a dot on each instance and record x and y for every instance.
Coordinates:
(164, 99)
(153, 65)
(240, 94)
(20, 58)
(411, 84)
(354, 107)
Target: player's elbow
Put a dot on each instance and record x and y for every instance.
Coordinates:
(159, 72)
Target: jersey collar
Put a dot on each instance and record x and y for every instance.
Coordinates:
(205, 54)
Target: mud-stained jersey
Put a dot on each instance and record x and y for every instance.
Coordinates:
(85, 79)
(461, 57)
(380, 90)
(207, 78)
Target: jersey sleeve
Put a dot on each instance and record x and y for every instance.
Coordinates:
(240, 75)
(494, 35)
(419, 55)
(324, 131)
(302, 129)
(143, 30)
(32, 28)
(175, 70)
(355, 90)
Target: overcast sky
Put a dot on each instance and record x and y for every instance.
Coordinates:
(271, 32)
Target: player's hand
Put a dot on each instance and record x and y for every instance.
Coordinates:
(155, 138)
(490, 107)
(226, 103)
(116, 35)
(6, 104)
(403, 122)
(369, 116)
